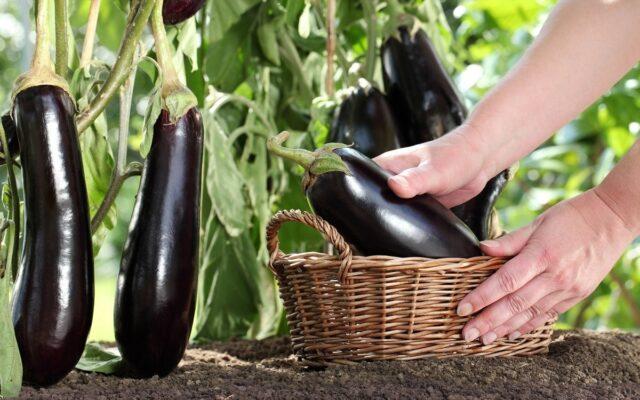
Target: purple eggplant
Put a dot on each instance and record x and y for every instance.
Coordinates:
(366, 121)
(156, 292)
(53, 297)
(177, 11)
(350, 191)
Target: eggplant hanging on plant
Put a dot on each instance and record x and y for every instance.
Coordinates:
(177, 11)
(419, 89)
(350, 191)
(156, 291)
(366, 121)
(53, 297)
(424, 94)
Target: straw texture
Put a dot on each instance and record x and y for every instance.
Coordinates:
(345, 308)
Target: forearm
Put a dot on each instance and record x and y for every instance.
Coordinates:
(584, 47)
(620, 190)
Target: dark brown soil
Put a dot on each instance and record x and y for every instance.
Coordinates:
(580, 365)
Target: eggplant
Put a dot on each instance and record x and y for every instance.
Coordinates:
(177, 11)
(365, 120)
(10, 133)
(350, 191)
(53, 297)
(424, 96)
(156, 291)
(419, 89)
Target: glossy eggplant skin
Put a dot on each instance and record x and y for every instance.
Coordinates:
(156, 291)
(477, 212)
(377, 222)
(177, 11)
(419, 89)
(53, 298)
(365, 120)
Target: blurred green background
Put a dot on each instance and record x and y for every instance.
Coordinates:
(479, 41)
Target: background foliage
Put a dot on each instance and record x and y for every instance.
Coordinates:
(258, 67)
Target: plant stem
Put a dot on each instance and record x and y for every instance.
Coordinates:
(90, 35)
(164, 53)
(372, 24)
(14, 228)
(41, 56)
(331, 46)
(122, 67)
(62, 41)
(120, 173)
(302, 157)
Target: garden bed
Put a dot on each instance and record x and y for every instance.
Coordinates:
(580, 365)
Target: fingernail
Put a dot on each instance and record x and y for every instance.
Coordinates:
(489, 338)
(490, 243)
(514, 335)
(400, 180)
(464, 309)
(471, 334)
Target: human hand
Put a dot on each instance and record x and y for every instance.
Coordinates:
(453, 168)
(558, 260)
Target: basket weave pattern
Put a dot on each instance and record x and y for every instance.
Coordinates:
(342, 309)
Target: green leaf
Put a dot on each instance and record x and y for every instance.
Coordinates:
(224, 183)
(237, 297)
(269, 42)
(10, 363)
(100, 359)
(224, 14)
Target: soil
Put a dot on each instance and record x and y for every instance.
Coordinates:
(580, 365)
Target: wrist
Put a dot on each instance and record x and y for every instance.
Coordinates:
(620, 219)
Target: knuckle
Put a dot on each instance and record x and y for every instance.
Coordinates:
(507, 281)
(534, 311)
(516, 303)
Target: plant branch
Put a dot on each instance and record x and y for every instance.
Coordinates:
(369, 7)
(331, 46)
(627, 296)
(62, 41)
(120, 173)
(135, 26)
(14, 228)
(90, 35)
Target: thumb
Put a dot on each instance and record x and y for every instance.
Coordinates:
(509, 244)
(417, 180)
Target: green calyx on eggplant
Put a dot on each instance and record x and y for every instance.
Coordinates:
(350, 191)
(419, 89)
(177, 11)
(53, 295)
(156, 292)
(365, 120)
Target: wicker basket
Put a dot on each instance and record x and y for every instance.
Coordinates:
(342, 309)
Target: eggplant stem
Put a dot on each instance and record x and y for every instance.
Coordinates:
(14, 228)
(177, 98)
(315, 163)
(90, 36)
(62, 40)
(136, 23)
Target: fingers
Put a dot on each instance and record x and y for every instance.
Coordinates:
(396, 161)
(506, 308)
(509, 244)
(413, 181)
(542, 319)
(543, 307)
(508, 279)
